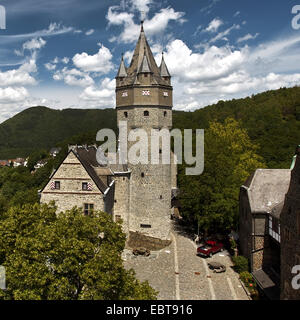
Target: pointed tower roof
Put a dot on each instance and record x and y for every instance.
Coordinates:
(122, 73)
(143, 59)
(164, 72)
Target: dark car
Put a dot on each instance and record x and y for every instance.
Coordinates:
(210, 248)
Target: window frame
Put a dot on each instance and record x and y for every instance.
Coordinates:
(88, 209)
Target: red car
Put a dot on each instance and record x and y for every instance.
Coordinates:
(210, 248)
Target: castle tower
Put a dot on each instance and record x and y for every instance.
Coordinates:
(290, 233)
(144, 101)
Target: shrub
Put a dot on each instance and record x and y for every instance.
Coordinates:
(248, 280)
(240, 264)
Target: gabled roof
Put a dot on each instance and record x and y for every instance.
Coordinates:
(87, 157)
(267, 188)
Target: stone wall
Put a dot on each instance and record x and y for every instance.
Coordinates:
(121, 201)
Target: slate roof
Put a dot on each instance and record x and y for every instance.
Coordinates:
(143, 49)
(122, 73)
(164, 72)
(267, 188)
(276, 210)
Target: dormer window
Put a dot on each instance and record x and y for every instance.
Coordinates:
(146, 113)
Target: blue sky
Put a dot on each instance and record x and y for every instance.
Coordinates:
(65, 53)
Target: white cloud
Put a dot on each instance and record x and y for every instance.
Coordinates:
(102, 96)
(49, 66)
(13, 94)
(214, 25)
(128, 56)
(156, 25)
(222, 35)
(34, 44)
(99, 62)
(89, 32)
(19, 77)
(216, 73)
(247, 37)
(52, 30)
(143, 6)
(73, 77)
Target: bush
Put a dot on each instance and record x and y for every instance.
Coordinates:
(240, 264)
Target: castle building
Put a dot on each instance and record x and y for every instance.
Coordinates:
(138, 194)
(269, 228)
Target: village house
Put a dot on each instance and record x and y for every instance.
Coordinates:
(269, 227)
(140, 195)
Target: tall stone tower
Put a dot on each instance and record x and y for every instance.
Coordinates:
(144, 99)
(290, 233)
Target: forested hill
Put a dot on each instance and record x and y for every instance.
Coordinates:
(272, 120)
(42, 128)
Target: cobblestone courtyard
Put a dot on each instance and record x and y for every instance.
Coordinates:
(177, 273)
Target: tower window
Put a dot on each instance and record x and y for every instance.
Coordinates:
(146, 113)
(126, 114)
(160, 197)
(143, 175)
(165, 113)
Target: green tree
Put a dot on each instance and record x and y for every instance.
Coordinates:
(66, 256)
(211, 199)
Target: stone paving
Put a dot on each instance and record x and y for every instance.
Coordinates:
(176, 272)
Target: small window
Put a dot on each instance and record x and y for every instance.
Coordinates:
(146, 113)
(84, 186)
(115, 201)
(165, 113)
(146, 226)
(126, 114)
(160, 197)
(143, 175)
(145, 75)
(57, 185)
(88, 209)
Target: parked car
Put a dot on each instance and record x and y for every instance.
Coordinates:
(211, 247)
(217, 267)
